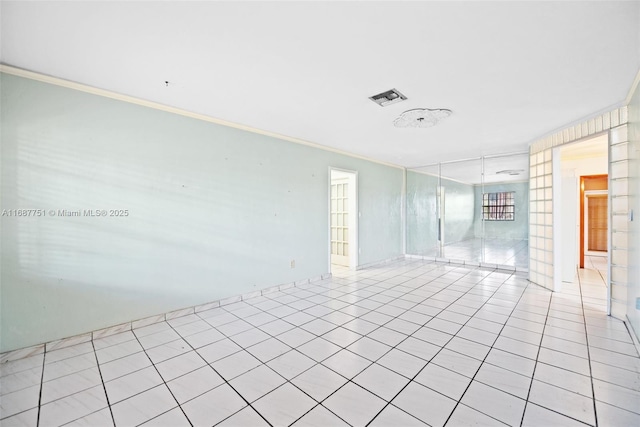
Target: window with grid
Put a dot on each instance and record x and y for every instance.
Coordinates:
(498, 206)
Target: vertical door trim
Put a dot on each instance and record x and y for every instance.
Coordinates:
(556, 185)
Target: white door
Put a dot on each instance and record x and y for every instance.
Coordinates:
(340, 221)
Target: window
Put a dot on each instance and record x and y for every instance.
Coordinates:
(498, 206)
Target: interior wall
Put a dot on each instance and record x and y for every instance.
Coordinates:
(517, 229)
(211, 211)
(633, 149)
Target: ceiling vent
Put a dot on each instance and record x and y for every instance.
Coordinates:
(387, 98)
(420, 118)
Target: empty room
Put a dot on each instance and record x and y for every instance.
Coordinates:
(319, 213)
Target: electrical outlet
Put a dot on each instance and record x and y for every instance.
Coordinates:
(293, 263)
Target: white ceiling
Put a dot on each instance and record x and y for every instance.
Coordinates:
(510, 71)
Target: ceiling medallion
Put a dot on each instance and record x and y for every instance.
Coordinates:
(420, 118)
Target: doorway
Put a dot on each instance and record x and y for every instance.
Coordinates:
(343, 224)
(593, 215)
(580, 206)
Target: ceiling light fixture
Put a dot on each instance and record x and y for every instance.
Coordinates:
(421, 118)
(387, 98)
(511, 172)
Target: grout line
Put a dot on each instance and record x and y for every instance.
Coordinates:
(104, 386)
(533, 374)
(44, 358)
(217, 373)
(454, 336)
(388, 402)
(586, 334)
(349, 380)
(491, 347)
(144, 350)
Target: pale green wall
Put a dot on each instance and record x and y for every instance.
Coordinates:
(633, 288)
(516, 229)
(213, 211)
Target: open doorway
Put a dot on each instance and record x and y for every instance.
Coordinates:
(595, 223)
(594, 229)
(343, 220)
(581, 208)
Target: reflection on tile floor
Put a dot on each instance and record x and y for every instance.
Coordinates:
(496, 251)
(406, 344)
(597, 263)
(503, 252)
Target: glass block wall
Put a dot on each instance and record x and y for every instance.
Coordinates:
(541, 201)
(540, 218)
(619, 219)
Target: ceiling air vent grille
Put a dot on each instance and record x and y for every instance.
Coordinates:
(387, 98)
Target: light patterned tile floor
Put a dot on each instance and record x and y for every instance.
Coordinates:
(508, 252)
(404, 344)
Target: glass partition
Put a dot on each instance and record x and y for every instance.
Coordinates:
(422, 208)
(506, 210)
(474, 210)
(461, 236)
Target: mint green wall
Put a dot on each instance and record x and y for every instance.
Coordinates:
(213, 211)
(633, 288)
(517, 229)
(422, 227)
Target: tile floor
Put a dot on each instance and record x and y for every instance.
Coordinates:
(412, 343)
(598, 263)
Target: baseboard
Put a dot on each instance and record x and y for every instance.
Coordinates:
(501, 267)
(139, 323)
(379, 263)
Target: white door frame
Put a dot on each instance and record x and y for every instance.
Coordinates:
(558, 246)
(557, 219)
(588, 193)
(354, 214)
